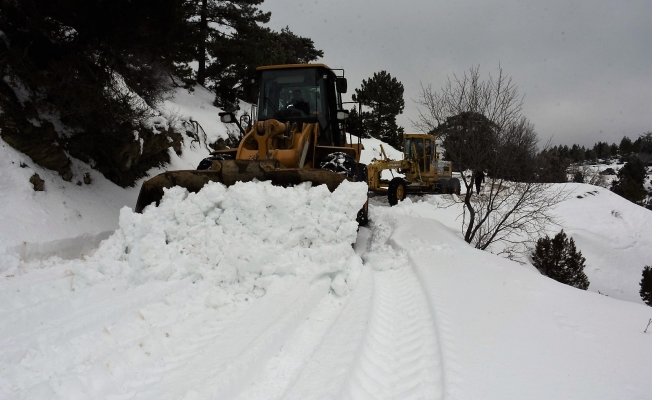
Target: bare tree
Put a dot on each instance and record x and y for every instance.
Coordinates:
(496, 98)
(513, 213)
(482, 129)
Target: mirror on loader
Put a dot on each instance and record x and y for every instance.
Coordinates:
(229, 118)
(341, 84)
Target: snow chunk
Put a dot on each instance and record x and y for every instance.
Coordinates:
(238, 238)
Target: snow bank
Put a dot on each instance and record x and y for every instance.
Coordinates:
(243, 236)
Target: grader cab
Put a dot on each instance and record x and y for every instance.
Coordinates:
(422, 170)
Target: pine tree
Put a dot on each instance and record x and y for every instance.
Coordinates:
(625, 146)
(559, 259)
(353, 124)
(613, 150)
(466, 137)
(629, 183)
(384, 95)
(578, 177)
(646, 285)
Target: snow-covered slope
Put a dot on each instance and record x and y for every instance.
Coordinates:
(68, 219)
(614, 235)
(254, 292)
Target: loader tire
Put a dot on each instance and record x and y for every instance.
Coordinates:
(208, 161)
(454, 186)
(361, 173)
(340, 163)
(363, 215)
(396, 191)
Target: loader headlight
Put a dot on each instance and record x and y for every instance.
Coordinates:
(342, 115)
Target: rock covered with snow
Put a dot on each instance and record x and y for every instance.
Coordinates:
(245, 236)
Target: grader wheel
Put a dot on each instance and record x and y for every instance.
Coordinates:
(396, 191)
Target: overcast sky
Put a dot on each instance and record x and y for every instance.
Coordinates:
(585, 67)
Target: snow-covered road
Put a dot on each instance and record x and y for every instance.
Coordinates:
(255, 292)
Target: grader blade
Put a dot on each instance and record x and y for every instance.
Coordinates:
(228, 172)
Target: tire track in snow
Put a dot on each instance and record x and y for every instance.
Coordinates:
(228, 354)
(384, 344)
(400, 356)
(315, 360)
(325, 373)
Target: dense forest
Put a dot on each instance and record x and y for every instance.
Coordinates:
(641, 146)
(83, 78)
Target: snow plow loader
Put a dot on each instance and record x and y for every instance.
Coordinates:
(298, 136)
(423, 171)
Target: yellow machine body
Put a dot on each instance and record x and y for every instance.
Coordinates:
(422, 169)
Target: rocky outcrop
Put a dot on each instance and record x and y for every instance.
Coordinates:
(23, 129)
(122, 157)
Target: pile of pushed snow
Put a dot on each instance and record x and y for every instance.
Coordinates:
(244, 236)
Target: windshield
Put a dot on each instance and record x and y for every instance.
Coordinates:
(290, 93)
(410, 146)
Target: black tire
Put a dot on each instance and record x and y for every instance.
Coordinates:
(396, 191)
(363, 215)
(454, 186)
(362, 173)
(208, 161)
(340, 163)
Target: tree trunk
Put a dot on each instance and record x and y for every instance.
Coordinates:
(201, 48)
(467, 202)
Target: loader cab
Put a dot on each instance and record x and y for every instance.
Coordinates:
(303, 93)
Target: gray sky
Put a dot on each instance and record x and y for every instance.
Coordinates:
(585, 67)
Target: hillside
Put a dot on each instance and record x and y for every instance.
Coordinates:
(254, 292)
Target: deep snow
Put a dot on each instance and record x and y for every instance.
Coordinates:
(255, 292)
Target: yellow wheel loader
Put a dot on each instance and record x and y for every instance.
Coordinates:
(298, 136)
(422, 169)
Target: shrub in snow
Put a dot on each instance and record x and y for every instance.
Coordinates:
(559, 259)
(578, 177)
(646, 285)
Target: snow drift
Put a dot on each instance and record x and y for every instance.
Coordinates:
(243, 235)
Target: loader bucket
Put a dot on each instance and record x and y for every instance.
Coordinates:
(228, 172)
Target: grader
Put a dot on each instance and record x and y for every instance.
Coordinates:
(422, 168)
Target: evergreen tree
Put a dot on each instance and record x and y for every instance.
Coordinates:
(590, 155)
(354, 124)
(602, 150)
(613, 149)
(552, 167)
(466, 139)
(228, 40)
(578, 177)
(636, 146)
(559, 259)
(80, 62)
(629, 183)
(212, 23)
(646, 285)
(625, 146)
(645, 150)
(234, 61)
(577, 154)
(384, 95)
(564, 152)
